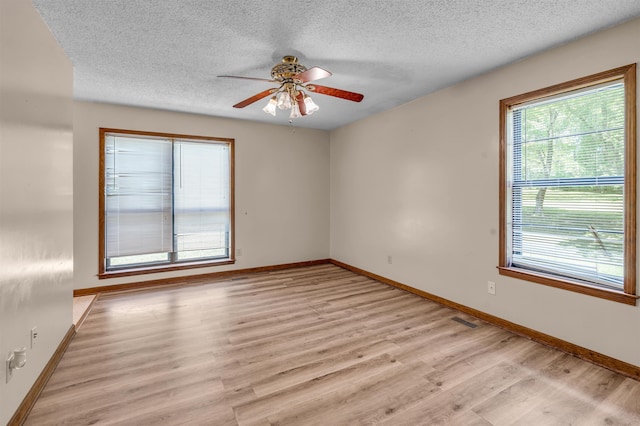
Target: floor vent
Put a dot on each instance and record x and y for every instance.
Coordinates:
(467, 323)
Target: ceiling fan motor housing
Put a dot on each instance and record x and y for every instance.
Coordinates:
(287, 69)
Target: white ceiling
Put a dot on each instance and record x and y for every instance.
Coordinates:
(166, 54)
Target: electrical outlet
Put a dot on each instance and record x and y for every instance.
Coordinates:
(389, 260)
(34, 337)
(239, 252)
(491, 287)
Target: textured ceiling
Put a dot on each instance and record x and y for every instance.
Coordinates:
(166, 54)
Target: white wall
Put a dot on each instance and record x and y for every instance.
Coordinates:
(420, 183)
(36, 217)
(281, 187)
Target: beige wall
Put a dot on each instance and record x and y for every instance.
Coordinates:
(36, 217)
(281, 187)
(420, 183)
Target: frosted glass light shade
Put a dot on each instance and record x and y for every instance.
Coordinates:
(284, 100)
(295, 111)
(310, 105)
(270, 108)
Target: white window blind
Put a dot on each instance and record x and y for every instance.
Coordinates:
(566, 184)
(201, 205)
(166, 200)
(138, 174)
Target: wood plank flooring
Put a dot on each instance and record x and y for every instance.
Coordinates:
(315, 346)
(81, 306)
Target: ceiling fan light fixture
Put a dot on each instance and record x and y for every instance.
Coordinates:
(311, 106)
(294, 79)
(284, 100)
(295, 111)
(270, 108)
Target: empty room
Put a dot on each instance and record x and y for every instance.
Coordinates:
(392, 212)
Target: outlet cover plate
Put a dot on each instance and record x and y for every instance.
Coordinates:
(34, 337)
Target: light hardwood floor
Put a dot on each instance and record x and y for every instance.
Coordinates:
(316, 345)
(81, 306)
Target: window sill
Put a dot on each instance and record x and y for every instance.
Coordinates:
(163, 268)
(567, 284)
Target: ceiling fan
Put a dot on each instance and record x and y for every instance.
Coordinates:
(295, 81)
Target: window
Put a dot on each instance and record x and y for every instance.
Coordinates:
(567, 185)
(166, 201)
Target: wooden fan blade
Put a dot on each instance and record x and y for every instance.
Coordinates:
(338, 93)
(254, 98)
(248, 78)
(312, 74)
(301, 105)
